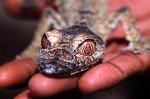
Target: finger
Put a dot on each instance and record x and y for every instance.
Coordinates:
(115, 46)
(137, 7)
(24, 95)
(36, 90)
(143, 26)
(16, 72)
(13, 6)
(113, 71)
(138, 11)
(28, 9)
(41, 86)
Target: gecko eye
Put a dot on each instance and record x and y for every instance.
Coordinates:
(87, 48)
(45, 42)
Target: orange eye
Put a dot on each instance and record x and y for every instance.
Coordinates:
(45, 42)
(87, 48)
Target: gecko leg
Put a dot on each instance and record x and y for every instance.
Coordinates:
(136, 43)
(50, 20)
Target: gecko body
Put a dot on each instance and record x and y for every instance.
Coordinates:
(74, 37)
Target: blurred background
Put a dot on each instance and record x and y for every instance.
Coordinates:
(16, 34)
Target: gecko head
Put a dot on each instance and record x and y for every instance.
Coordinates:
(69, 51)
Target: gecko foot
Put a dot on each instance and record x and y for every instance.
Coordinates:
(138, 47)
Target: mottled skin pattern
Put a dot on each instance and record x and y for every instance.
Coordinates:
(75, 37)
(65, 56)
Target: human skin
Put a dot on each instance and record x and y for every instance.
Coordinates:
(116, 65)
(18, 9)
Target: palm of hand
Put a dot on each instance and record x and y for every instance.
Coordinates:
(116, 67)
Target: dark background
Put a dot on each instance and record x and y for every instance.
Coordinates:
(16, 34)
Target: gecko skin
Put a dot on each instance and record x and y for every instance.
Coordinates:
(74, 38)
(70, 51)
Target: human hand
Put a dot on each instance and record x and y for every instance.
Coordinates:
(28, 8)
(140, 10)
(116, 66)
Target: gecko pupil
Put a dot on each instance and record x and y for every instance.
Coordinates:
(87, 48)
(45, 42)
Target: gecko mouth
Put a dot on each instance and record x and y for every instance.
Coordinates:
(51, 68)
(55, 69)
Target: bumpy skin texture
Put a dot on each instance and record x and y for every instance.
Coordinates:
(70, 51)
(76, 35)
